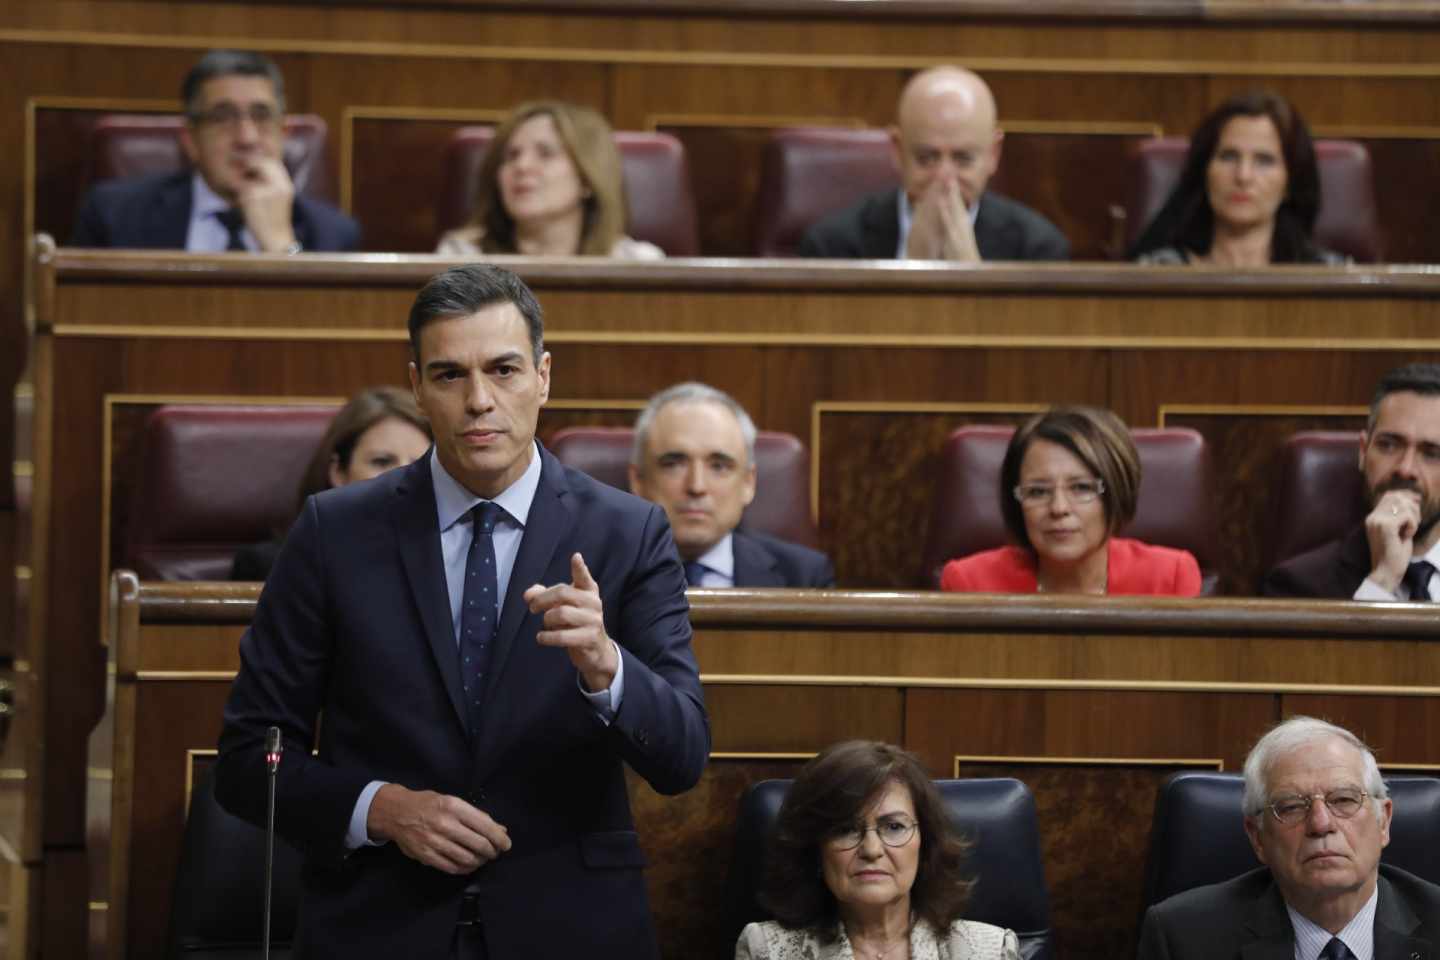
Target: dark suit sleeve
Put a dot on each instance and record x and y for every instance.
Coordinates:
(1047, 244)
(822, 241)
(91, 230)
(826, 579)
(285, 659)
(661, 729)
(1154, 945)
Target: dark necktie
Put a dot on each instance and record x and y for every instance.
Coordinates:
(1335, 950)
(234, 222)
(1417, 580)
(479, 610)
(693, 572)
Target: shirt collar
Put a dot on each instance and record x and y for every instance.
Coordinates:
(721, 557)
(1358, 934)
(906, 215)
(204, 202)
(453, 501)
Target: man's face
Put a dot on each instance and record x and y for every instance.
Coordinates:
(697, 468)
(946, 139)
(1323, 860)
(477, 382)
(1402, 452)
(238, 121)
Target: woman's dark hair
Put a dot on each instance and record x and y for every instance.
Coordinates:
(1186, 220)
(831, 793)
(363, 411)
(1099, 439)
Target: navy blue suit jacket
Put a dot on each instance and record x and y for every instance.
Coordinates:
(763, 561)
(354, 625)
(153, 213)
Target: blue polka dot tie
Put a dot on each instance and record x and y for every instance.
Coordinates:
(479, 610)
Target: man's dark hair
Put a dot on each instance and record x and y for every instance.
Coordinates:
(229, 63)
(468, 289)
(1421, 378)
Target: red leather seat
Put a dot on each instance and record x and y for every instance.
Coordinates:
(131, 145)
(1175, 507)
(1348, 221)
(653, 165)
(809, 172)
(213, 479)
(1321, 495)
(781, 506)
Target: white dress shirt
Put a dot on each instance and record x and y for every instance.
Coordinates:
(1370, 590)
(206, 234)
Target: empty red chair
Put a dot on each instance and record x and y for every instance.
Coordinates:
(1321, 493)
(810, 172)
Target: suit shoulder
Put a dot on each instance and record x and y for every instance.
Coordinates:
(798, 565)
(1421, 895)
(1314, 573)
(1039, 239)
(797, 551)
(331, 229)
(844, 233)
(1211, 903)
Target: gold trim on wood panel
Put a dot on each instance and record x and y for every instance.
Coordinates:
(190, 755)
(1205, 762)
(110, 401)
(1376, 133)
(349, 115)
(13, 773)
(760, 755)
(583, 404)
(1198, 69)
(1051, 683)
(24, 391)
(1117, 128)
(1259, 410)
(22, 469)
(653, 121)
(1409, 766)
(172, 676)
(98, 906)
(23, 572)
(168, 332)
(822, 407)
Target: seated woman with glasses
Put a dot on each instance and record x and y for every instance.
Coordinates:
(1071, 479)
(864, 863)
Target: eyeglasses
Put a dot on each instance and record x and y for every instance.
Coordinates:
(893, 831)
(1043, 494)
(1343, 802)
(228, 115)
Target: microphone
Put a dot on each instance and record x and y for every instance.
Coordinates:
(274, 747)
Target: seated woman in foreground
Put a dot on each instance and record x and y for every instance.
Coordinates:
(379, 429)
(864, 863)
(1248, 194)
(550, 185)
(1070, 479)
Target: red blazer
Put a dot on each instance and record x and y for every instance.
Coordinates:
(1135, 568)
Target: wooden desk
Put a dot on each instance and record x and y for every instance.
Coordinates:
(1090, 702)
(872, 365)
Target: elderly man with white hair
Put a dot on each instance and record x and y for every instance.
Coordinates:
(1317, 814)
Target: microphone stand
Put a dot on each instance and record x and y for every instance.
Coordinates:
(273, 749)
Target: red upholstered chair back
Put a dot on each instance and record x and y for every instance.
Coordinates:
(132, 145)
(213, 479)
(657, 186)
(781, 506)
(1348, 221)
(809, 172)
(1321, 493)
(1175, 507)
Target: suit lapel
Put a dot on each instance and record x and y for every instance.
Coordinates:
(170, 216)
(754, 565)
(549, 520)
(417, 532)
(1394, 923)
(1270, 924)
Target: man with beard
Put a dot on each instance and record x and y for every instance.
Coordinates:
(1394, 554)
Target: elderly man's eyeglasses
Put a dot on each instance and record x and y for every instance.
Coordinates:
(893, 831)
(1043, 494)
(1291, 808)
(229, 116)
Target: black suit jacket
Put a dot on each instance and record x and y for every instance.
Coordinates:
(153, 213)
(354, 624)
(763, 561)
(870, 230)
(1334, 570)
(1246, 918)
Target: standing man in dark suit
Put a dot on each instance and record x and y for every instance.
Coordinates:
(947, 146)
(481, 639)
(694, 455)
(237, 195)
(1395, 553)
(1317, 814)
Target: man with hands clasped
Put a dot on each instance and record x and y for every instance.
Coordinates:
(946, 144)
(475, 645)
(237, 196)
(1394, 554)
